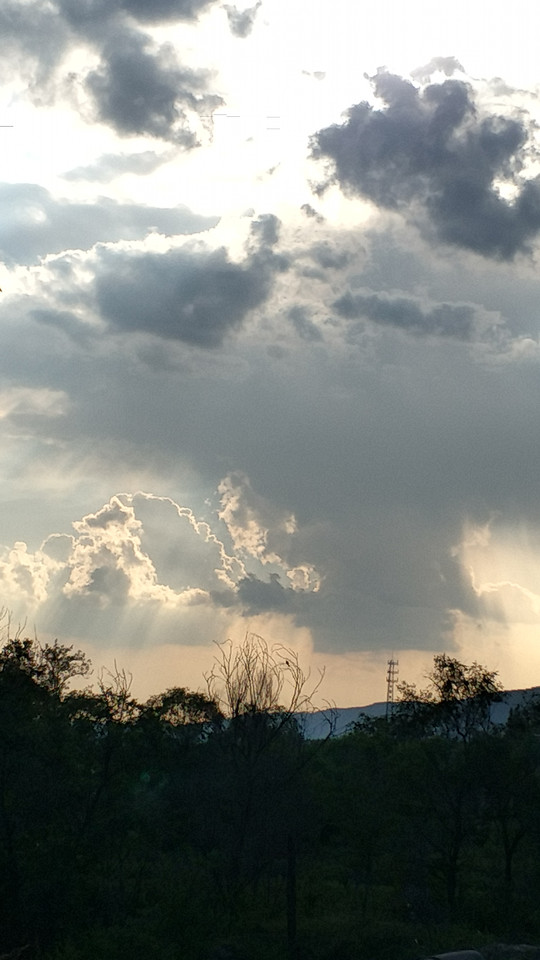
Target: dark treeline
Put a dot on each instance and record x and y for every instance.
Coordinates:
(206, 827)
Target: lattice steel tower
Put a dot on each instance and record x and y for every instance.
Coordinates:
(391, 679)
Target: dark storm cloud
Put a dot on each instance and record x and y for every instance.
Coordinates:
(142, 90)
(112, 165)
(192, 296)
(259, 596)
(432, 151)
(35, 224)
(241, 21)
(254, 596)
(445, 319)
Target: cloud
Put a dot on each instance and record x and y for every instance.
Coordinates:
(112, 165)
(140, 89)
(241, 22)
(165, 9)
(143, 556)
(35, 223)
(301, 600)
(447, 65)
(194, 296)
(262, 531)
(25, 576)
(17, 402)
(79, 332)
(331, 257)
(317, 74)
(82, 14)
(108, 562)
(85, 15)
(304, 327)
(444, 319)
(433, 154)
(34, 40)
(311, 212)
(256, 528)
(259, 596)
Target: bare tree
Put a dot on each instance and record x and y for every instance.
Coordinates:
(254, 678)
(262, 689)
(115, 690)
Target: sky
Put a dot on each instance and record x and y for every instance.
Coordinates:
(270, 336)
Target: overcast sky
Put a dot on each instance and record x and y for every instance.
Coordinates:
(270, 334)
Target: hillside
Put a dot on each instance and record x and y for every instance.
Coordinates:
(315, 725)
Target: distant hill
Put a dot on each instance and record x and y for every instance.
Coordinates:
(315, 725)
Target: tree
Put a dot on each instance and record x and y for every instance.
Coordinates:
(58, 664)
(51, 666)
(178, 706)
(115, 693)
(183, 713)
(457, 703)
(261, 690)
(254, 678)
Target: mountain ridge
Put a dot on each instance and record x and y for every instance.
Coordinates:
(316, 724)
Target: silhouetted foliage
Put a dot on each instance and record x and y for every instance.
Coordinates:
(204, 825)
(457, 702)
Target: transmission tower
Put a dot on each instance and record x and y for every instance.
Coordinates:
(391, 679)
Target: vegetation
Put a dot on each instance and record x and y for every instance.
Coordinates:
(204, 826)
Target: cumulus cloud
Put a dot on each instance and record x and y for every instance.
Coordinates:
(25, 575)
(433, 153)
(256, 527)
(107, 560)
(138, 86)
(261, 530)
(140, 89)
(195, 296)
(143, 552)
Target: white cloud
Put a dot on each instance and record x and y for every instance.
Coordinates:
(25, 576)
(261, 530)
